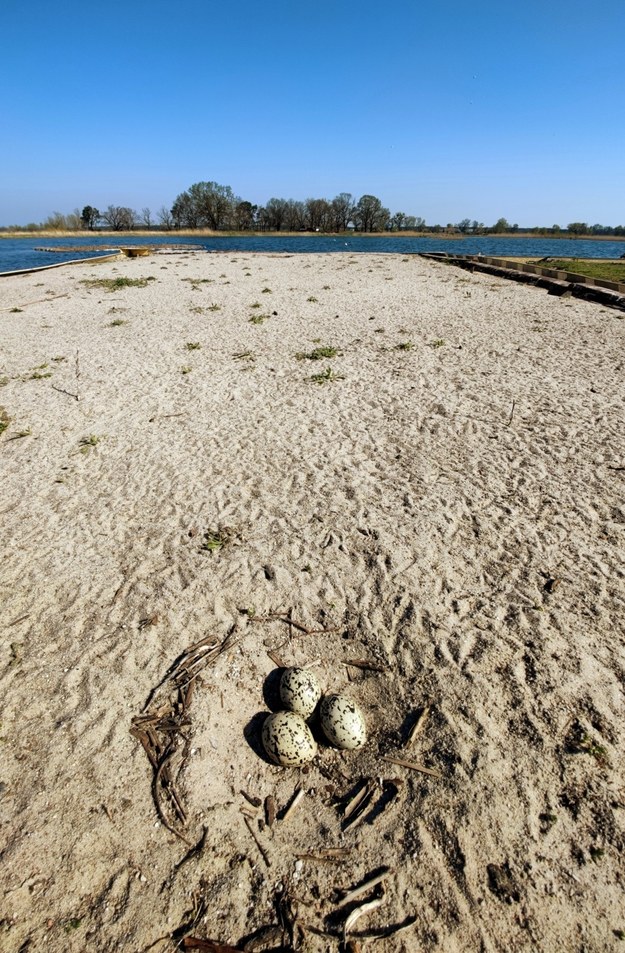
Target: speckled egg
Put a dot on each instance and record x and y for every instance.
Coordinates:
(287, 739)
(299, 691)
(343, 722)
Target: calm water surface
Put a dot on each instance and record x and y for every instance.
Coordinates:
(22, 253)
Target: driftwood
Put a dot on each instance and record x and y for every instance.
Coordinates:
(161, 729)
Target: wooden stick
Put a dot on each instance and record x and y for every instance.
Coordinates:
(418, 726)
(413, 767)
(330, 855)
(25, 304)
(294, 804)
(364, 663)
(365, 908)
(356, 801)
(67, 392)
(512, 412)
(270, 810)
(262, 850)
(274, 616)
(364, 887)
(275, 658)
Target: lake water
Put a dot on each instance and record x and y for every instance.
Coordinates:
(21, 253)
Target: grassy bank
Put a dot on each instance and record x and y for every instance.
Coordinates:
(606, 270)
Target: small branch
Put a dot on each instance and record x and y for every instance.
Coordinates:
(512, 412)
(412, 766)
(275, 616)
(25, 304)
(66, 392)
(364, 887)
(418, 725)
(262, 850)
(294, 804)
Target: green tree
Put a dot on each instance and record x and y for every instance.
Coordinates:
(578, 228)
(370, 215)
(204, 205)
(214, 203)
(501, 225)
(245, 216)
(89, 217)
(464, 225)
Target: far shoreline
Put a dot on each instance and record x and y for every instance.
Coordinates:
(211, 233)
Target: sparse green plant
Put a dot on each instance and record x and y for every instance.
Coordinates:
(115, 284)
(258, 318)
(597, 853)
(16, 310)
(619, 934)
(5, 420)
(214, 540)
(256, 304)
(266, 291)
(307, 568)
(325, 377)
(193, 345)
(186, 370)
(38, 376)
(312, 299)
(588, 746)
(88, 443)
(214, 307)
(72, 925)
(404, 346)
(319, 354)
(21, 433)
(244, 356)
(59, 359)
(438, 342)
(4, 381)
(117, 323)
(326, 287)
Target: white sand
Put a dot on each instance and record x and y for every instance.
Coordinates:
(421, 503)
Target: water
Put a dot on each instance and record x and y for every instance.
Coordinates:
(21, 253)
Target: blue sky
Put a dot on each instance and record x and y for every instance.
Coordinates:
(445, 109)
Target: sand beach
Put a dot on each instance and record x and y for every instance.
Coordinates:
(408, 476)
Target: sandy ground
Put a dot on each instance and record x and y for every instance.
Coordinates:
(451, 512)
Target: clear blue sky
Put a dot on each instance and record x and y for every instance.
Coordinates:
(445, 109)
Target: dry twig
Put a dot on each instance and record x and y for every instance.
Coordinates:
(418, 726)
(412, 766)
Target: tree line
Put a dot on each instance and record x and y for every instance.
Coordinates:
(209, 205)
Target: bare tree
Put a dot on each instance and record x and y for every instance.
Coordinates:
(318, 215)
(165, 218)
(119, 218)
(146, 218)
(343, 211)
